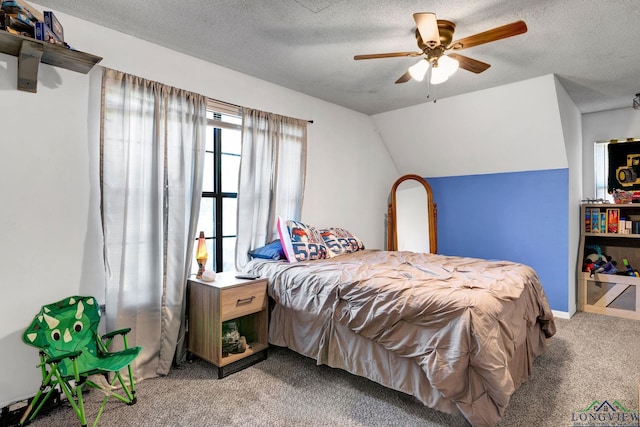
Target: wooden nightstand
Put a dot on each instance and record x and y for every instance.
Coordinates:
(228, 298)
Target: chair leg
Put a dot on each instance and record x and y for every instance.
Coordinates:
(102, 406)
(36, 402)
(78, 389)
(132, 386)
(27, 411)
(73, 393)
(129, 397)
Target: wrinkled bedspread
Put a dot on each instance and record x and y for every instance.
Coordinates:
(461, 319)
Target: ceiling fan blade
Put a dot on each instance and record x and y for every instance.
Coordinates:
(404, 78)
(509, 30)
(428, 28)
(470, 64)
(386, 55)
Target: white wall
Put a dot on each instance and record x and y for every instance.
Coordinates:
(602, 126)
(50, 241)
(572, 129)
(515, 127)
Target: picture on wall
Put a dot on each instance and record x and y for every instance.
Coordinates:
(624, 166)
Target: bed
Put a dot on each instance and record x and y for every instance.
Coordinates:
(459, 334)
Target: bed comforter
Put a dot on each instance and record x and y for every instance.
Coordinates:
(472, 326)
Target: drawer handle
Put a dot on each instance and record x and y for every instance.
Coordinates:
(245, 300)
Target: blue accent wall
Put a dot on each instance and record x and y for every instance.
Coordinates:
(519, 216)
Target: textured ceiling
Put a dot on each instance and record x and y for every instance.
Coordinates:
(593, 46)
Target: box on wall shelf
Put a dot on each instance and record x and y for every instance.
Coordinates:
(54, 25)
(613, 219)
(43, 33)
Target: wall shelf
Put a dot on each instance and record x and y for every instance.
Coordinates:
(31, 52)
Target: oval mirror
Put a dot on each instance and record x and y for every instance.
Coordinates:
(411, 222)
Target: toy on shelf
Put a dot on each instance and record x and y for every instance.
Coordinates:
(622, 196)
(630, 270)
(607, 268)
(599, 263)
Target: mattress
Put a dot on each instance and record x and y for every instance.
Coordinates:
(459, 334)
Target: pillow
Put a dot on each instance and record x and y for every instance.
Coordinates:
(300, 241)
(340, 241)
(271, 250)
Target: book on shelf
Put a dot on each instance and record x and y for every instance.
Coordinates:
(5, 25)
(622, 225)
(595, 220)
(603, 222)
(16, 23)
(21, 6)
(613, 220)
(54, 25)
(587, 220)
(12, 7)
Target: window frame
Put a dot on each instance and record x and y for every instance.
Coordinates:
(217, 110)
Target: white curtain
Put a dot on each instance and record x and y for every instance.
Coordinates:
(272, 175)
(153, 141)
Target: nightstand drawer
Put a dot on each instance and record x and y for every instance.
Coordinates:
(242, 300)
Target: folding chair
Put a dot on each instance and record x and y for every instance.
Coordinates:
(74, 355)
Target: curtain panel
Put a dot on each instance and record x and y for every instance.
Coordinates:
(272, 176)
(152, 151)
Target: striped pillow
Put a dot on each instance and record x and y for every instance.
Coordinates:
(300, 241)
(340, 241)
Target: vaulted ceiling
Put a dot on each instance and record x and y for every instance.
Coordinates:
(308, 45)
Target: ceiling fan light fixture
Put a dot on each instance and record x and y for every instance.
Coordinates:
(443, 69)
(438, 76)
(448, 65)
(419, 69)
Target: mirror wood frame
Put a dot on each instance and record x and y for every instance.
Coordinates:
(432, 213)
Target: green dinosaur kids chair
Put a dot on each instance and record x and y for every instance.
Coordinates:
(73, 355)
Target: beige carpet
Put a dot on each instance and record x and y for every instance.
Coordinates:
(592, 357)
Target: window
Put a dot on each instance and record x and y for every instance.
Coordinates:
(220, 186)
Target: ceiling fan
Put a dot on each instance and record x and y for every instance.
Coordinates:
(434, 37)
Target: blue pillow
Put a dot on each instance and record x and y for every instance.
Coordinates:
(272, 250)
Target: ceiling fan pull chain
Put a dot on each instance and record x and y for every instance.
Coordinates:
(430, 86)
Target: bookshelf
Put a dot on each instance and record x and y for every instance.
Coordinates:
(31, 52)
(610, 294)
